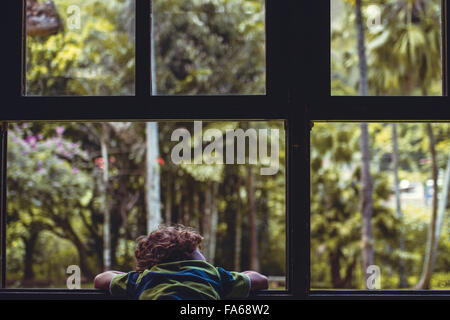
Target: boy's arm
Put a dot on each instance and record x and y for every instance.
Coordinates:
(257, 280)
(103, 280)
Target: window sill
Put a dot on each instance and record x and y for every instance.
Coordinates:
(379, 294)
(94, 294)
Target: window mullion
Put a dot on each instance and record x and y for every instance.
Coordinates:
(143, 48)
(298, 207)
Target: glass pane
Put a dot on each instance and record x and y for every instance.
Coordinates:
(377, 191)
(397, 53)
(68, 181)
(80, 47)
(209, 47)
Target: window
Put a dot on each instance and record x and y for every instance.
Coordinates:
(80, 48)
(403, 160)
(295, 89)
(209, 47)
(78, 191)
(402, 51)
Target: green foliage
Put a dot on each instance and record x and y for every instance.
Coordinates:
(209, 47)
(403, 51)
(97, 59)
(46, 188)
(335, 212)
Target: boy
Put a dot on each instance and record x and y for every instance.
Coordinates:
(169, 265)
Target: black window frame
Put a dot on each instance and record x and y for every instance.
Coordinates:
(297, 91)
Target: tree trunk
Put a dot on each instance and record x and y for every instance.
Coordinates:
(335, 269)
(366, 180)
(425, 279)
(335, 266)
(209, 219)
(214, 221)
(366, 202)
(104, 188)
(30, 245)
(153, 197)
(238, 227)
(82, 258)
(402, 268)
(254, 254)
(442, 209)
(168, 200)
(152, 53)
(195, 220)
(206, 222)
(363, 78)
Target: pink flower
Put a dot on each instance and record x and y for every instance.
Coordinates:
(60, 130)
(75, 170)
(31, 140)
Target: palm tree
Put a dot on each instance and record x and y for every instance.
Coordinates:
(366, 180)
(425, 279)
(405, 52)
(402, 268)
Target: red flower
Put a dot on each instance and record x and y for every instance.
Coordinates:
(161, 161)
(99, 163)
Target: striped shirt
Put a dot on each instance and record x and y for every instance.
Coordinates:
(181, 280)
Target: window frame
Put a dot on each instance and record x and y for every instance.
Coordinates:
(297, 91)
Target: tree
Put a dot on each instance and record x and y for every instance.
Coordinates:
(406, 50)
(424, 282)
(43, 171)
(105, 136)
(254, 251)
(209, 47)
(238, 229)
(96, 59)
(403, 49)
(398, 208)
(366, 181)
(442, 210)
(152, 181)
(153, 174)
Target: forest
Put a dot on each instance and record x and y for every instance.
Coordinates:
(80, 193)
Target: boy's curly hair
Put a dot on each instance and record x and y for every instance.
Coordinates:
(166, 244)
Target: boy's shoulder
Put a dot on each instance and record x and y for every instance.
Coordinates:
(179, 266)
(193, 274)
(183, 270)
